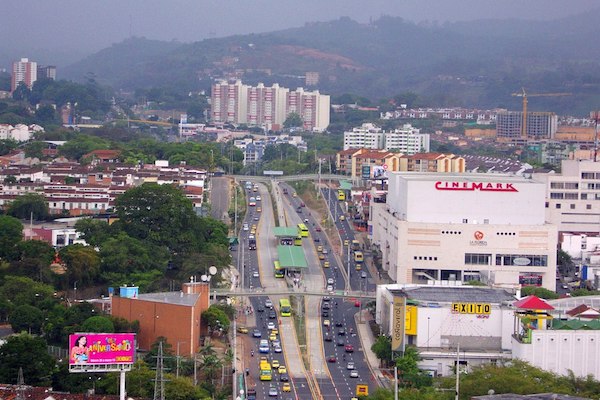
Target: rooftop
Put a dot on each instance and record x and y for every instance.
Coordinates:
(285, 231)
(291, 257)
(465, 177)
(178, 298)
(466, 294)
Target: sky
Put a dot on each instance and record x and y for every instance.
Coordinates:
(69, 29)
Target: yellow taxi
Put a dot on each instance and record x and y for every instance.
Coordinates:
(342, 218)
(319, 248)
(321, 256)
(282, 369)
(326, 322)
(258, 209)
(294, 194)
(253, 232)
(326, 264)
(346, 242)
(242, 329)
(275, 364)
(253, 227)
(275, 331)
(286, 387)
(272, 337)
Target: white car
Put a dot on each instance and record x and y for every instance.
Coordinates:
(329, 288)
(246, 227)
(330, 281)
(354, 374)
(257, 198)
(350, 365)
(268, 303)
(277, 349)
(271, 325)
(255, 274)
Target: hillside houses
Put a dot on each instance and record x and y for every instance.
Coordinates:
(73, 189)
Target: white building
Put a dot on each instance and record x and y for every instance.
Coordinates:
(573, 196)
(438, 319)
(446, 227)
(19, 132)
(406, 140)
(23, 71)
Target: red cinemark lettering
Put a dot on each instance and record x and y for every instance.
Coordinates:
(473, 186)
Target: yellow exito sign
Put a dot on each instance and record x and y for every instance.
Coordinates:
(472, 308)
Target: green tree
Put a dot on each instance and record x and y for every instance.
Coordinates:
(27, 352)
(383, 349)
(23, 207)
(26, 318)
(75, 148)
(215, 319)
(293, 120)
(33, 259)
(98, 324)
(46, 115)
(10, 180)
(168, 355)
(409, 374)
(83, 264)
(540, 292)
(22, 92)
(34, 149)
(6, 146)
(23, 290)
(11, 233)
(125, 255)
(93, 231)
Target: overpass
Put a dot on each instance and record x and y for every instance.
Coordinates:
(278, 292)
(289, 178)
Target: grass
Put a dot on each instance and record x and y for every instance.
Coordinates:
(241, 208)
(297, 303)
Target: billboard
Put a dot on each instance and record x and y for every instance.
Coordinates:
(380, 172)
(399, 323)
(101, 348)
(366, 172)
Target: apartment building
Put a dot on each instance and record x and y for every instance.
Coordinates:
(540, 125)
(23, 71)
(407, 140)
(268, 106)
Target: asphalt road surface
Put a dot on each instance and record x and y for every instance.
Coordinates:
(219, 198)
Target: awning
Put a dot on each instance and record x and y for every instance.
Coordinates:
(291, 257)
(285, 232)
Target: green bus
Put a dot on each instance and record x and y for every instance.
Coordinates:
(278, 269)
(303, 230)
(298, 241)
(285, 308)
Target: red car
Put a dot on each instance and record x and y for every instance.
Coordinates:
(349, 348)
(318, 229)
(331, 359)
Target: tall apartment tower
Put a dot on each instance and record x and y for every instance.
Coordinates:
(540, 125)
(229, 102)
(23, 71)
(46, 71)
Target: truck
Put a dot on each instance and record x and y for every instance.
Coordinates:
(251, 394)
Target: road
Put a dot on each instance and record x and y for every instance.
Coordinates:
(219, 198)
(340, 313)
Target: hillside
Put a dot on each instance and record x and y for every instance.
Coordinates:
(478, 63)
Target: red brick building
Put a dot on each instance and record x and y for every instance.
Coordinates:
(174, 315)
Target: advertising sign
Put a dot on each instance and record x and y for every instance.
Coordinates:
(472, 308)
(101, 348)
(362, 390)
(366, 172)
(399, 322)
(380, 172)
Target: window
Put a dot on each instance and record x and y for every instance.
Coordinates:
(587, 175)
(571, 185)
(571, 196)
(588, 206)
(477, 259)
(557, 205)
(547, 204)
(583, 196)
(522, 260)
(465, 221)
(557, 195)
(557, 185)
(572, 206)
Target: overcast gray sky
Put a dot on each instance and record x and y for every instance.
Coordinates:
(85, 26)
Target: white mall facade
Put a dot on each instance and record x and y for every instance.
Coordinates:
(462, 227)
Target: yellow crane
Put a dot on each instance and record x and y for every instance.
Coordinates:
(525, 95)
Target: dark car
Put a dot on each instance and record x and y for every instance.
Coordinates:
(325, 313)
(326, 305)
(316, 239)
(272, 314)
(327, 337)
(260, 308)
(341, 331)
(256, 333)
(341, 342)
(339, 323)
(284, 378)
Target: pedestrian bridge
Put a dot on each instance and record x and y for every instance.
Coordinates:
(300, 292)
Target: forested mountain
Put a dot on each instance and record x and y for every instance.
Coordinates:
(478, 63)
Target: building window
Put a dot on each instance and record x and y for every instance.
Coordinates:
(547, 204)
(477, 259)
(557, 196)
(557, 205)
(588, 206)
(465, 221)
(522, 260)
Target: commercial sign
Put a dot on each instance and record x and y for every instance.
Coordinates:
(362, 390)
(476, 186)
(101, 348)
(472, 308)
(366, 172)
(399, 323)
(478, 236)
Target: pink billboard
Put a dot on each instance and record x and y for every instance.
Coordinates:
(101, 348)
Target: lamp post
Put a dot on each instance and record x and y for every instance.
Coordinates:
(428, 318)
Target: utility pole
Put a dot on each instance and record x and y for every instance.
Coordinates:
(457, 372)
(395, 382)
(319, 188)
(159, 381)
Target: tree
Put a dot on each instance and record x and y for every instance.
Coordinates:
(293, 120)
(168, 355)
(540, 292)
(11, 233)
(26, 318)
(34, 149)
(27, 352)
(383, 349)
(216, 319)
(409, 374)
(98, 324)
(26, 205)
(94, 232)
(22, 290)
(83, 264)
(33, 259)
(10, 180)
(125, 255)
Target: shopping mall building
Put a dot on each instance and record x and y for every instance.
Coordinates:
(463, 227)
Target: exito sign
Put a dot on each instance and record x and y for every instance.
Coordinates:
(472, 308)
(476, 186)
(399, 323)
(101, 348)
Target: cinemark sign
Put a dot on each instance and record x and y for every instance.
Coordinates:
(473, 186)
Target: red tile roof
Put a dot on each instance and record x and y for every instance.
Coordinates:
(532, 303)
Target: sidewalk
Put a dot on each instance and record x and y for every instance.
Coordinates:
(366, 340)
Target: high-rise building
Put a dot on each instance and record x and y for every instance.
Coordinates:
(540, 125)
(268, 106)
(23, 71)
(406, 140)
(46, 71)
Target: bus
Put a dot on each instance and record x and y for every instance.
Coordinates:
(303, 230)
(358, 257)
(278, 269)
(341, 195)
(355, 245)
(285, 307)
(266, 374)
(298, 241)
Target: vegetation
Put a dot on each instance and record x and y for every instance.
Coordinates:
(540, 292)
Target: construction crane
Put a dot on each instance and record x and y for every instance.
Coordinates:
(525, 95)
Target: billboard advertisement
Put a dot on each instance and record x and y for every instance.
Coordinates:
(101, 348)
(366, 172)
(399, 323)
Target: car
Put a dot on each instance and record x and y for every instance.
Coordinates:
(350, 365)
(272, 337)
(286, 387)
(363, 274)
(306, 220)
(299, 210)
(339, 323)
(253, 227)
(268, 303)
(330, 281)
(258, 197)
(342, 218)
(246, 227)
(275, 364)
(275, 331)
(354, 374)
(302, 204)
(330, 288)
(326, 298)
(294, 194)
(341, 332)
(255, 274)
(271, 325)
(326, 264)
(349, 348)
(263, 348)
(326, 305)
(327, 337)
(273, 392)
(256, 333)
(272, 314)
(282, 369)
(258, 209)
(358, 267)
(319, 248)
(284, 378)
(260, 308)
(326, 322)
(256, 218)
(357, 303)
(346, 242)
(277, 349)
(325, 314)
(340, 341)
(565, 286)
(331, 359)
(325, 251)
(318, 229)
(253, 232)
(316, 239)
(321, 256)
(242, 329)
